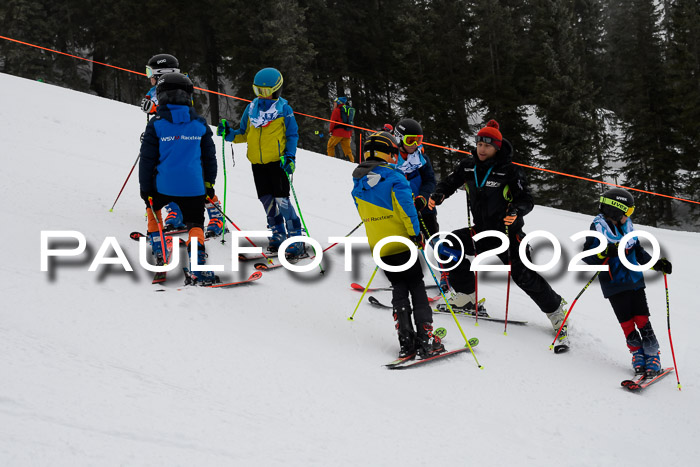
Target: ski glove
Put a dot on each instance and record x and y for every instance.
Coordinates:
(224, 128)
(418, 240)
(437, 198)
(147, 105)
(609, 252)
(663, 265)
(510, 218)
(210, 190)
(419, 202)
(288, 165)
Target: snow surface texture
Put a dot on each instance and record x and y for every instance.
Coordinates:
(98, 369)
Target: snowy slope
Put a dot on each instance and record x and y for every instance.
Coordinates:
(98, 369)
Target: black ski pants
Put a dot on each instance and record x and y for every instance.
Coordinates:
(534, 285)
(409, 282)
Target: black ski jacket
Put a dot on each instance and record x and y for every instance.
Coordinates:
(504, 184)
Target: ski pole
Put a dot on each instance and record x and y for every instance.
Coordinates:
(350, 233)
(125, 181)
(505, 326)
(269, 260)
(476, 273)
(511, 212)
(363, 293)
(449, 307)
(160, 231)
(291, 185)
(668, 321)
(223, 161)
(572, 307)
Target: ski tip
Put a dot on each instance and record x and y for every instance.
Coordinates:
(255, 276)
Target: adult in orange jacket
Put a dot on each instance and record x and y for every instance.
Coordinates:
(340, 133)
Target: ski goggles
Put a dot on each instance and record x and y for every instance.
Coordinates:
(486, 139)
(266, 91)
(412, 140)
(150, 72)
(628, 210)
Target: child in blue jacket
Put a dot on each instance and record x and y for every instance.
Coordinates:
(622, 286)
(178, 164)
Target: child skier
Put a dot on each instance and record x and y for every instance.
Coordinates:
(413, 163)
(178, 164)
(270, 129)
(624, 287)
(498, 197)
(157, 66)
(385, 203)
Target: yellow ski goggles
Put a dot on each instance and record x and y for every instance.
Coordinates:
(628, 210)
(412, 140)
(266, 91)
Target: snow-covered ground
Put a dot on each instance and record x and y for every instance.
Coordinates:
(98, 369)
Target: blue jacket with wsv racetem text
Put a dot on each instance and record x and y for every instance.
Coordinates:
(177, 153)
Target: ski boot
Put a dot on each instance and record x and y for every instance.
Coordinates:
(200, 277)
(464, 303)
(216, 219)
(638, 362)
(427, 343)
(652, 364)
(404, 328)
(279, 234)
(156, 247)
(445, 281)
(173, 221)
(557, 318)
(296, 250)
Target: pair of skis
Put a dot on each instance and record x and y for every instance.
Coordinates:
(410, 361)
(643, 381)
(374, 301)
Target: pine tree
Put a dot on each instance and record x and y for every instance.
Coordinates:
(639, 77)
(569, 124)
(683, 51)
(499, 73)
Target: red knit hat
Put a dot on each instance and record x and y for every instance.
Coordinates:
(491, 131)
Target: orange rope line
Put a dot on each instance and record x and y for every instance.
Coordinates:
(353, 126)
(606, 183)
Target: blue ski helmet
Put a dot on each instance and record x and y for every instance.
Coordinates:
(268, 83)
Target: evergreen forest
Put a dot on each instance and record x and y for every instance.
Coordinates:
(600, 89)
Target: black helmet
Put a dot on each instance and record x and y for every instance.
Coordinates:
(408, 126)
(161, 64)
(616, 202)
(381, 144)
(408, 132)
(174, 88)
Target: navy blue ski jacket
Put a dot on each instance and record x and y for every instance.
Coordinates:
(618, 278)
(177, 153)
